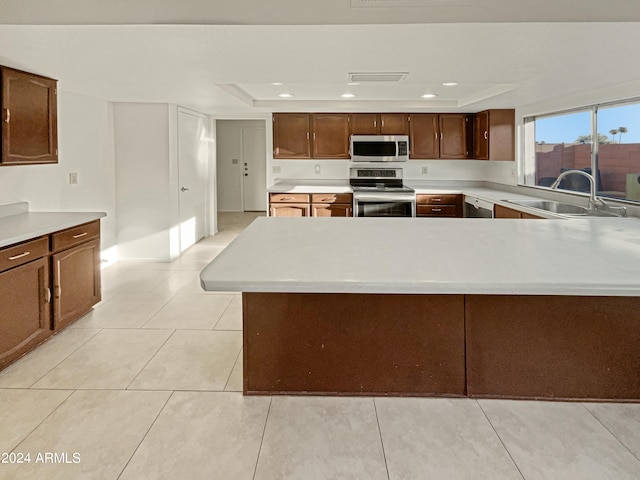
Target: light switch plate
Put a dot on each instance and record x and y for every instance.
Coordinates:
(317, 169)
(73, 178)
(234, 161)
(276, 169)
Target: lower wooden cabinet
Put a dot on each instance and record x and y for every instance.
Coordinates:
(316, 205)
(25, 317)
(46, 284)
(505, 212)
(437, 205)
(76, 282)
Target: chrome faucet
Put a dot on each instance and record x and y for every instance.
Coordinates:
(594, 201)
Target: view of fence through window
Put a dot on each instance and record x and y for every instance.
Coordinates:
(564, 142)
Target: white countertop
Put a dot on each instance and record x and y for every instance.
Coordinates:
(310, 186)
(15, 228)
(432, 256)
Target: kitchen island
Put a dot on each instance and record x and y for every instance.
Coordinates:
(455, 307)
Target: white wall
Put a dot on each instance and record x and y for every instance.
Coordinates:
(146, 179)
(229, 175)
(85, 147)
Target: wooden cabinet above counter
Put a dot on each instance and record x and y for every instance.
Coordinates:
(29, 118)
(488, 135)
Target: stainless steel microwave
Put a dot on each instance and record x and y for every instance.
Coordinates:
(379, 148)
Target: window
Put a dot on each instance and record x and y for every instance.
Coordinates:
(564, 141)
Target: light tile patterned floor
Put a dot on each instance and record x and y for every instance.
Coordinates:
(146, 386)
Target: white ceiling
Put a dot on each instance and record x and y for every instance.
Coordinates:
(228, 68)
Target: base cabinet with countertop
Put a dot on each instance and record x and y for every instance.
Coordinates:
(45, 284)
(310, 205)
(439, 205)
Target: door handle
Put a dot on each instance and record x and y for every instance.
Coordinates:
(184, 189)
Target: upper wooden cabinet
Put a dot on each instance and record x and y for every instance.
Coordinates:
(29, 118)
(495, 135)
(291, 135)
(380, 124)
(444, 135)
(330, 135)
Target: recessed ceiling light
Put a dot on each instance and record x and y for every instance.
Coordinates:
(286, 95)
(347, 95)
(450, 84)
(276, 83)
(429, 95)
(353, 83)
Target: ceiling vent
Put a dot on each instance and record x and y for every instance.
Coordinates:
(377, 77)
(409, 3)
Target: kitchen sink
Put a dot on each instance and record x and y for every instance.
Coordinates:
(562, 208)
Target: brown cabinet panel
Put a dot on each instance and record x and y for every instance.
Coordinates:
(331, 198)
(330, 135)
(76, 282)
(394, 124)
(505, 212)
(22, 253)
(530, 216)
(435, 199)
(25, 318)
(29, 118)
(453, 136)
(291, 135)
(365, 123)
(424, 141)
(331, 210)
(289, 197)
(495, 135)
(289, 210)
(75, 236)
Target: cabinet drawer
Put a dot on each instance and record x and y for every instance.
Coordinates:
(432, 199)
(22, 253)
(75, 236)
(289, 198)
(436, 210)
(331, 198)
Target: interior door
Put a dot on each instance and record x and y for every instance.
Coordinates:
(192, 177)
(254, 169)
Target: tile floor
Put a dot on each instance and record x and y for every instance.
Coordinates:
(146, 386)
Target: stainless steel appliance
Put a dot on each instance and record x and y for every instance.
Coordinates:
(379, 192)
(379, 148)
(477, 208)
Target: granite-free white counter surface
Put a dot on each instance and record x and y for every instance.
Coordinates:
(26, 225)
(432, 256)
(296, 185)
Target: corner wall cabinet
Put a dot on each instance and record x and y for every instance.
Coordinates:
(46, 284)
(29, 118)
(495, 135)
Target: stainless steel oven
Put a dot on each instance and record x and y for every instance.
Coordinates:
(379, 192)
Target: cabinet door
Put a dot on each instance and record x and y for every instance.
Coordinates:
(502, 125)
(331, 210)
(482, 136)
(365, 123)
(291, 135)
(331, 135)
(424, 137)
(394, 124)
(289, 210)
(25, 317)
(29, 119)
(505, 212)
(76, 282)
(453, 136)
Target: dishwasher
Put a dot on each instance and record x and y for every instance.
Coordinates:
(477, 208)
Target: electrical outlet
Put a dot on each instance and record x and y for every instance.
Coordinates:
(425, 170)
(73, 179)
(234, 161)
(276, 169)
(317, 169)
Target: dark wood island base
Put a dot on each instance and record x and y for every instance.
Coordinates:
(535, 347)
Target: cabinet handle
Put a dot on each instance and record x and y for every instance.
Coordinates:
(436, 209)
(486, 135)
(327, 199)
(436, 199)
(440, 135)
(314, 136)
(8, 117)
(47, 296)
(80, 235)
(286, 198)
(307, 135)
(375, 123)
(15, 257)
(436, 135)
(58, 291)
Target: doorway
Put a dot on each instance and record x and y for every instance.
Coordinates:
(241, 165)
